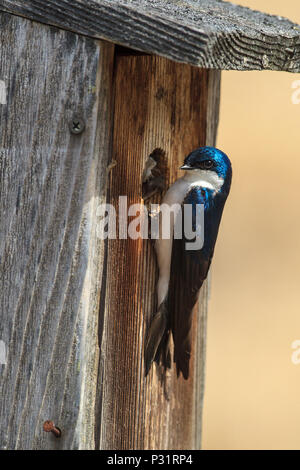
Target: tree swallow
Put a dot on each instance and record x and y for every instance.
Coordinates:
(206, 182)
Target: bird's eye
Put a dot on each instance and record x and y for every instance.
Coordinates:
(207, 164)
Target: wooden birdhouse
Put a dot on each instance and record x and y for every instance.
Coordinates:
(89, 90)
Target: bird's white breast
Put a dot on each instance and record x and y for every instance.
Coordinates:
(175, 195)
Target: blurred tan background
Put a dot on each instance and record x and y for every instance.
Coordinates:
(252, 398)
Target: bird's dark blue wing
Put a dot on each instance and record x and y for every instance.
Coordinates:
(189, 269)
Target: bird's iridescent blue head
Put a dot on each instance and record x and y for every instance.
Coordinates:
(210, 159)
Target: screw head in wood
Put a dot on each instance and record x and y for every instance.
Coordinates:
(77, 125)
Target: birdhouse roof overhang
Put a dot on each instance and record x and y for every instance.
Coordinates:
(205, 33)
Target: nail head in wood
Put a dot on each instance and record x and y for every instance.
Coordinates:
(49, 426)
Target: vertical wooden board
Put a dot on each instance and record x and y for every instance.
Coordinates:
(212, 121)
(158, 104)
(51, 182)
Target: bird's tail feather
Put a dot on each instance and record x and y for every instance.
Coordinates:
(163, 353)
(182, 358)
(157, 343)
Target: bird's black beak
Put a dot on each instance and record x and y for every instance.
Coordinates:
(186, 167)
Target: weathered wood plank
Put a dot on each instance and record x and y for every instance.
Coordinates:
(51, 260)
(206, 33)
(158, 104)
(212, 122)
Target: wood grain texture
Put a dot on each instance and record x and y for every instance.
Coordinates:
(206, 33)
(50, 258)
(158, 104)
